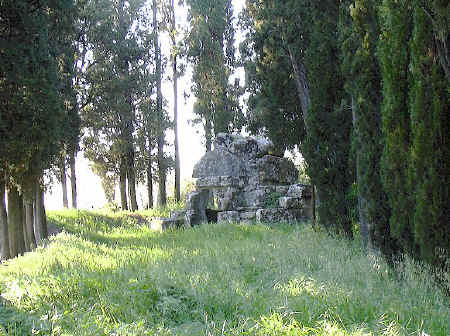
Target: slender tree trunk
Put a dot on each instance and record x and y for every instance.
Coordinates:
(123, 184)
(37, 214)
(175, 113)
(28, 200)
(150, 179)
(131, 177)
(363, 211)
(302, 87)
(131, 172)
(40, 219)
(162, 194)
(43, 214)
(73, 178)
(313, 205)
(4, 236)
(175, 108)
(208, 135)
(150, 187)
(63, 178)
(15, 222)
(29, 224)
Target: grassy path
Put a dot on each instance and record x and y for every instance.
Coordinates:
(111, 276)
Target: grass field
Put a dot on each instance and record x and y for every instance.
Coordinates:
(110, 275)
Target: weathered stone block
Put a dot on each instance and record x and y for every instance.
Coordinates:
(163, 224)
(192, 218)
(207, 182)
(197, 200)
(258, 197)
(281, 189)
(248, 215)
(220, 162)
(290, 202)
(300, 191)
(273, 169)
(244, 146)
(228, 216)
(250, 147)
(279, 215)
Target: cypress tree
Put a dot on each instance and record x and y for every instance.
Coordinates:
(32, 110)
(415, 161)
(429, 171)
(396, 27)
(363, 82)
(327, 148)
(272, 30)
(211, 51)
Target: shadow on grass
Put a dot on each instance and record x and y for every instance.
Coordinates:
(16, 322)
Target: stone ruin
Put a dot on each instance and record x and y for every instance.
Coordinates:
(243, 180)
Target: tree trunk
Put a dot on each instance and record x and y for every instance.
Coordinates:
(363, 211)
(4, 236)
(40, 219)
(123, 184)
(313, 205)
(28, 199)
(131, 172)
(175, 108)
(15, 222)
(131, 176)
(63, 178)
(150, 179)
(43, 216)
(73, 178)
(175, 113)
(29, 224)
(208, 135)
(302, 87)
(162, 195)
(37, 214)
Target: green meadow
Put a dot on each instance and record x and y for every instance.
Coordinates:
(110, 275)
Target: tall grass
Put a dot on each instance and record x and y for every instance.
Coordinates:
(108, 278)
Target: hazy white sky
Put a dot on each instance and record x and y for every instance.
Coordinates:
(90, 193)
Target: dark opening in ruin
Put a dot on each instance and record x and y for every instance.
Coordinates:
(211, 215)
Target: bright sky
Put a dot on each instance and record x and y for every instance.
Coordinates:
(90, 192)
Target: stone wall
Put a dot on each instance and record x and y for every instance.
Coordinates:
(242, 179)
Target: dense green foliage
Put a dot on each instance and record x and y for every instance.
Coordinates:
(114, 85)
(429, 173)
(282, 44)
(326, 149)
(363, 83)
(211, 51)
(113, 276)
(394, 59)
(369, 81)
(36, 95)
(273, 107)
(416, 128)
